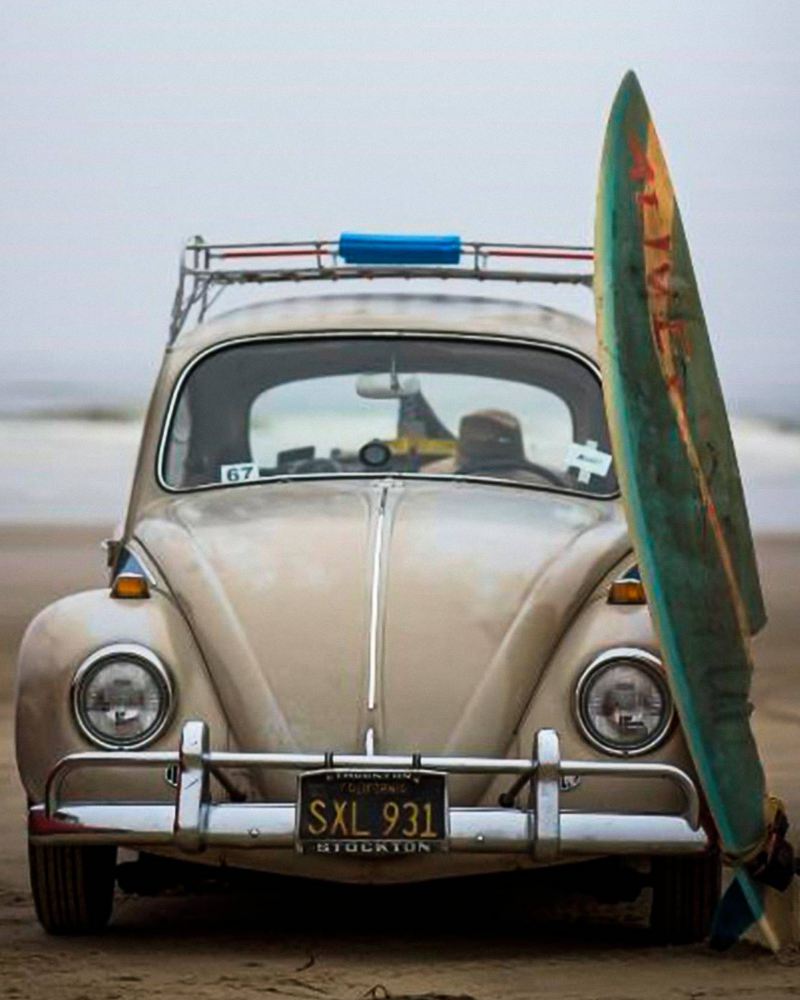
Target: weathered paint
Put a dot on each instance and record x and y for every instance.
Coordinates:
(477, 586)
(492, 602)
(677, 466)
(678, 471)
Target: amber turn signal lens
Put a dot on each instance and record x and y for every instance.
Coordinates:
(130, 586)
(627, 592)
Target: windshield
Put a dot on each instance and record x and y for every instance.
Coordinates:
(389, 404)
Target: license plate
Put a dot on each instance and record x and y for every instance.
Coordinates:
(372, 813)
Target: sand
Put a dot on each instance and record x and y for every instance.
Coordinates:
(453, 941)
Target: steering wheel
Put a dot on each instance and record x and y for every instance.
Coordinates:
(503, 464)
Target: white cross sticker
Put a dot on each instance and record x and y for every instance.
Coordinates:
(588, 460)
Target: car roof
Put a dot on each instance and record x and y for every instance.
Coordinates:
(400, 311)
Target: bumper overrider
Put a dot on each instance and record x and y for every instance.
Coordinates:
(542, 830)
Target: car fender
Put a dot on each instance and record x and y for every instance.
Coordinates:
(598, 628)
(57, 642)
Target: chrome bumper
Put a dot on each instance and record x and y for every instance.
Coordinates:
(543, 831)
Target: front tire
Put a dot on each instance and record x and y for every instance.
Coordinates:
(686, 891)
(73, 887)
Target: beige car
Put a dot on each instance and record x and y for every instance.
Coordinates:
(373, 616)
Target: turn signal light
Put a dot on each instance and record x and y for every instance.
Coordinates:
(627, 592)
(130, 586)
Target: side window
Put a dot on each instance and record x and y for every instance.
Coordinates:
(178, 450)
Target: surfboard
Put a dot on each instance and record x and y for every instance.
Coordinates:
(678, 473)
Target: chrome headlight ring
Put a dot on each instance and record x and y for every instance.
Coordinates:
(157, 672)
(650, 666)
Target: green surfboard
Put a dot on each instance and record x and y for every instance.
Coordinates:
(677, 467)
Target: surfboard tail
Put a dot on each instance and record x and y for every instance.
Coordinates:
(758, 913)
(738, 910)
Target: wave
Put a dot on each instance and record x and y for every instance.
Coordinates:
(87, 414)
(44, 399)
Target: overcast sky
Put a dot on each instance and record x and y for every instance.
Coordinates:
(129, 126)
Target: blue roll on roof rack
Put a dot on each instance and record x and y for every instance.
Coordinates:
(207, 269)
(368, 248)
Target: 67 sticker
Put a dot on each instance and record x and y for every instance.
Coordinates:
(239, 472)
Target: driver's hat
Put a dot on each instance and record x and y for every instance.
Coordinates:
(490, 434)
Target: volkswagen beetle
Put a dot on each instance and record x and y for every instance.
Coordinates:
(373, 615)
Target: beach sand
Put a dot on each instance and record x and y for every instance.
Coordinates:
(249, 944)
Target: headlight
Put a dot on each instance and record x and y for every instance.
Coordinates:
(122, 696)
(623, 703)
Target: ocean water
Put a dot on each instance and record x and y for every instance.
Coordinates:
(76, 469)
(66, 471)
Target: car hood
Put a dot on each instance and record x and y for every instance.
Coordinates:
(424, 611)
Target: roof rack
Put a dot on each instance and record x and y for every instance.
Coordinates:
(207, 269)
